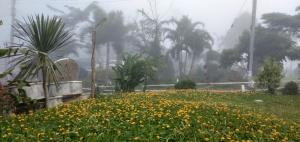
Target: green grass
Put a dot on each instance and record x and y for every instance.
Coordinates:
(283, 106)
(161, 116)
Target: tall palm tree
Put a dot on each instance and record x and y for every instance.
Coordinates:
(180, 39)
(41, 36)
(198, 41)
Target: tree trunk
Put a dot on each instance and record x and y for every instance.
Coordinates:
(180, 64)
(107, 62)
(145, 84)
(93, 65)
(45, 86)
(185, 63)
(192, 64)
(107, 55)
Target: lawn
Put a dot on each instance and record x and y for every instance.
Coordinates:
(162, 116)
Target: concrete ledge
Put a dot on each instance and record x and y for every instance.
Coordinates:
(54, 101)
(35, 91)
(85, 96)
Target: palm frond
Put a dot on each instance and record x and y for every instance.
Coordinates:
(42, 35)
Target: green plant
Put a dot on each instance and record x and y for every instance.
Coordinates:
(133, 71)
(41, 36)
(291, 88)
(185, 84)
(161, 116)
(14, 96)
(270, 76)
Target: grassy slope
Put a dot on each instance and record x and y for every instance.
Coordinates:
(286, 107)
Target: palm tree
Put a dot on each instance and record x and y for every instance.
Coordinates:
(180, 38)
(198, 41)
(41, 36)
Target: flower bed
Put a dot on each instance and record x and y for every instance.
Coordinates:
(148, 117)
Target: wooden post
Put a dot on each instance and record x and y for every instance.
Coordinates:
(93, 64)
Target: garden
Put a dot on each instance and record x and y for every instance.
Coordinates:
(162, 116)
(177, 54)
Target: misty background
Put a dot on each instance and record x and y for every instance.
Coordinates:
(218, 15)
(224, 20)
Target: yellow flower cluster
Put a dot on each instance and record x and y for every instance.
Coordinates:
(153, 116)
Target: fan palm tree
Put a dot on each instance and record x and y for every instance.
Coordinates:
(41, 36)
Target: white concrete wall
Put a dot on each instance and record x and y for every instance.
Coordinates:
(35, 91)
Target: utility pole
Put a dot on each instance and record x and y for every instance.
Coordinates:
(252, 41)
(13, 18)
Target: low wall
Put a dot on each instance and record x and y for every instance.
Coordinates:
(35, 91)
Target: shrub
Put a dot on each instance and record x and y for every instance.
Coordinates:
(271, 75)
(133, 71)
(291, 88)
(185, 84)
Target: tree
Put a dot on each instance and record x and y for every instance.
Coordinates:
(187, 38)
(268, 44)
(133, 71)
(73, 20)
(240, 24)
(198, 41)
(112, 35)
(283, 22)
(270, 75)
(148, 34)
(287, 24)
(1, 22)
(42, 36)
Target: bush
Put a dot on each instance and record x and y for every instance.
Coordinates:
(291, 88)
(271, 75)
(133, 71)
(185, 84)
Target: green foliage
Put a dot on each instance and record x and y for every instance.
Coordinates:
(268, 43)
(291, 88)
(133, 71)
(271, 75)
(14, 95)
(185, 84)
(17, 92)
(283, 22)
(165, 71)
(161, 116)
(191, 39)
(229, 57)
(41, 36)
(288, 24)
(1, 22)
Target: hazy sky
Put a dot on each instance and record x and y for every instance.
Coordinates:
(217, 15)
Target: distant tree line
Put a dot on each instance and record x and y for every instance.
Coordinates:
(183, 46)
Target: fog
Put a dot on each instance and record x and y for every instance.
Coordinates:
(217, 15)
(224, 20)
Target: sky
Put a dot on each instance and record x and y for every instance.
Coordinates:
(217, 15)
